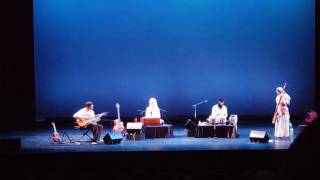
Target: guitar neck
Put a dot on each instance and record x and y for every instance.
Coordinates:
(277, 105)
(54, 128)
(118, 110)
(98, 115)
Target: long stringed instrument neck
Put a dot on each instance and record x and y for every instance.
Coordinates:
(55, 136)
(118, 124)
(54, 127)
(118, 110)
(275, 112)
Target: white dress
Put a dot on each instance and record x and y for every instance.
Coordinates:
(283, 119)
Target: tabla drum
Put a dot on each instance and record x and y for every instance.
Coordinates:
(233, 119)
(221, 120)
(211, 120)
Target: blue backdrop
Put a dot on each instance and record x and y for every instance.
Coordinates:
(180, 52)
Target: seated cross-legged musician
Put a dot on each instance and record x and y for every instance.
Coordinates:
(86, 118)
(153, 110)
(219, 113)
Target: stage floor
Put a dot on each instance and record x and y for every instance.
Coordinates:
(38, 140)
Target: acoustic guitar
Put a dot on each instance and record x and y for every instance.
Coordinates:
(275, 114)
(55, 136)
(118, 124)
(83, 122)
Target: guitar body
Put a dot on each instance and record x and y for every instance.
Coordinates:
(118, 124)
(83, 122)
(56, 137)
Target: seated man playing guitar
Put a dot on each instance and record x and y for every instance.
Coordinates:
(86, 118)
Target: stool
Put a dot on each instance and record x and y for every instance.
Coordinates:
(84, 131)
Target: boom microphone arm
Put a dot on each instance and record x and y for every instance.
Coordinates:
(195, 108)
(200, 103)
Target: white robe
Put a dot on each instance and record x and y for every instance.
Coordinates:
(282, 124)
(152, 113)
(218, 114)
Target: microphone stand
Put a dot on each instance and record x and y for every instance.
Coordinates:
(141, 112)
(195, 108)
(165, 116)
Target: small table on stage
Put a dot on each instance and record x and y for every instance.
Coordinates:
(220, 131)
(225, 131)
(158, 131)
(205, 131)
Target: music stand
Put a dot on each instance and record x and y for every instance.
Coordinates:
(134, 128)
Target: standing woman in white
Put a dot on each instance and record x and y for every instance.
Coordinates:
(282, 123)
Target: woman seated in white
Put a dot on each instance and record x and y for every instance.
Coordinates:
(153, 110)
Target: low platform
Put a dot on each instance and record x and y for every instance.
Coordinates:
(39, 141)
(179, 157)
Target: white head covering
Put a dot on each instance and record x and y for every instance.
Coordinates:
(154, 101)
(280, 89)
(283, 93)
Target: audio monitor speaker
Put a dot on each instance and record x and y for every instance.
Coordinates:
(113, 138)
(259, 136)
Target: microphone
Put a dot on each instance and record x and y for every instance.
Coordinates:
(200, 103)
(140, 111)
(163, 110)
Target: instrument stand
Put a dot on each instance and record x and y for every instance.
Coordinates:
(64, 139)
(195, 113)
(133, 136)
